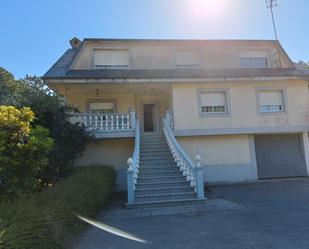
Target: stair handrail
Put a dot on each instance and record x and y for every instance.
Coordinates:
(133, 163)
(192, 172)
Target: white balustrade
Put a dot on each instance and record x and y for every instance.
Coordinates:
(133, 164)
(109, 122)
(192, 172)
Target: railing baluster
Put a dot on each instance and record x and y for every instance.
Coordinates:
(96, 121)
(90, 122)
(122, 122)
(112, 122)
(117, 122)
(101, 122)
(106, 122)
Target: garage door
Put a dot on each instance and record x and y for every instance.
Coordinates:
(279, 156)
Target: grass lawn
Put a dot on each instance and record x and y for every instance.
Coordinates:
(47, 220)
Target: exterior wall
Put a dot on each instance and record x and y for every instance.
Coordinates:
(161, 55)
(113, 152)
(124, 102)
(224, 158)
(244, 114)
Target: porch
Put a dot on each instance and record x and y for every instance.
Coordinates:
(110, 111)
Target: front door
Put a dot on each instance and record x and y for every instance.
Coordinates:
(150, 117)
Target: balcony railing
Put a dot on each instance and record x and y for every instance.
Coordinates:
(111, 122)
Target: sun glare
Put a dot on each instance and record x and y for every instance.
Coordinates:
(208, 8)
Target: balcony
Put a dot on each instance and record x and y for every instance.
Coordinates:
(111, 125)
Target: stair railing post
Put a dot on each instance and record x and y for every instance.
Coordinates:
(130, 180)
(199, 177)
(168, 118)
(133, 119)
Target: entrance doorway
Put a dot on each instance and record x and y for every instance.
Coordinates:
(150, 117)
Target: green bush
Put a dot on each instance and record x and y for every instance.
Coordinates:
(52, 113)
(47, 220)
(23, 151)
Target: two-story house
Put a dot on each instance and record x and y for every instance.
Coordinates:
(241, 106)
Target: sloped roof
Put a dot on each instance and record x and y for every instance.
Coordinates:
(61, 69)
(62, 65)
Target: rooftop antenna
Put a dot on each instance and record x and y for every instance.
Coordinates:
(270, 5)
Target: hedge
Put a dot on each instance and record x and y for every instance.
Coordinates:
(47, 220)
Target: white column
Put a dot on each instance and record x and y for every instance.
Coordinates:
(305, 143)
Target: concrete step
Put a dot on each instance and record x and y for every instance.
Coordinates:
(159, 169)
(151, 204)
(155, 152)
(174, 183)
(159, 179)
(150, 142)
(151, 164)
(147, 161)
(176, 172)
(166, 197)
(153, 145)
(152, 138)
(156, 157)
(166, 190)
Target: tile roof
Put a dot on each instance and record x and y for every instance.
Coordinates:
(62, 65)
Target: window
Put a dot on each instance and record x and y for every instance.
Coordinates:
(253, 59)
(187, 59)
(271, 101)
(253, 62)
(101, 108)
(213, 102)
(111, 59)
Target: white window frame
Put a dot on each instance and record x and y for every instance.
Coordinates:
(184, 66)
(272, 109)
(253, 62)
(253, 55)
(90, 101)
(94, 66)
(211, 114)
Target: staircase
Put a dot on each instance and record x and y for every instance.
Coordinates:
(160, 182)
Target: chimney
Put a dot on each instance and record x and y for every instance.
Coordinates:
(75, 42)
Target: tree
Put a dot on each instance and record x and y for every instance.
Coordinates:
(52, 113)
(8, 88)
(302, 64)
(24, 151)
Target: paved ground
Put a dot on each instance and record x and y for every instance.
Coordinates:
(264, 215)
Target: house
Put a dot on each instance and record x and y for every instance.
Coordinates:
(170, 115)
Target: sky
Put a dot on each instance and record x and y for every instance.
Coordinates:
(35, 33)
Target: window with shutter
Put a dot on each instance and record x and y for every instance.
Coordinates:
(111, 58)
(213, 102)
(101, 108)
(253, 59)
(271, 101)
(187, 59)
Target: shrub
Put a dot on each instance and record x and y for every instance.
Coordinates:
(23, 151)
(47, 219)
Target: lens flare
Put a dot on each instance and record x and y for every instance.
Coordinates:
(111, 229)
(207, 8)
